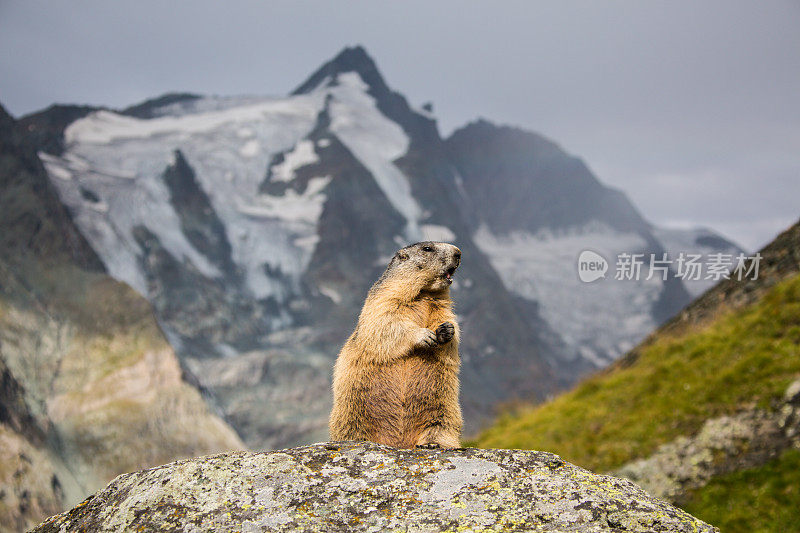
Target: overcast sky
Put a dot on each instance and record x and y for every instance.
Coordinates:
(691, 107)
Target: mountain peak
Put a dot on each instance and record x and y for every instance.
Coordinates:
(354, 54)
(420, 128)
(351, 59)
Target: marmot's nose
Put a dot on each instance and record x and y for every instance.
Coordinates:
(457, 255)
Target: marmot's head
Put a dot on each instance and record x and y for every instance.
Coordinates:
(430, 264)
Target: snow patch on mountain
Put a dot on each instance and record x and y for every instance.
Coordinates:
(54, 169)
(302, 154)
(602, 319)
(375, 140)
(331, 293)
(304, 208)
(110, 229)
(104, 127)
(250, 149)
(122, 160)
(229, 143)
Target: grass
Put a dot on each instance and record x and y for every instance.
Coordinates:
(741, 359)
(763, 499)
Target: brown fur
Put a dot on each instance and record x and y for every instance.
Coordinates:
(392, 384)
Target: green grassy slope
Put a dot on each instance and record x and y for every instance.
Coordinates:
(742, 358)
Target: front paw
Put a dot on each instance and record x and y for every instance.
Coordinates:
(426, 338)
(445, 332)
(429, 446)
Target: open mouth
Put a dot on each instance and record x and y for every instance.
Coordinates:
(448, 275)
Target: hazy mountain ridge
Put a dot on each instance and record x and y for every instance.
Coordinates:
(537, 208)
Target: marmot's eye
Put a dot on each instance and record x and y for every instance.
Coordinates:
(427, 248)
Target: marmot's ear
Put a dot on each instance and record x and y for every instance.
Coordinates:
(402, 256)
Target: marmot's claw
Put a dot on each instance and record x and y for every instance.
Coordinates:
(429, 446)
(445, 332)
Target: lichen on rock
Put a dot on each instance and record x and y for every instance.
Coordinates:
(360, 486)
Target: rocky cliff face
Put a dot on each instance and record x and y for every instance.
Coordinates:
(367, 487)
(89, 386)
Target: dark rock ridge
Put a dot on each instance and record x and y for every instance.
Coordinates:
(198, 311)
(525, 181)
(33, 220)
(358, 486)
(149, 108)
(45, 129)
(199, 222)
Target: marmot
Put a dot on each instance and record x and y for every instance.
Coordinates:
(396, 378)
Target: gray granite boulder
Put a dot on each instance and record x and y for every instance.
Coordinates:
(358, 486)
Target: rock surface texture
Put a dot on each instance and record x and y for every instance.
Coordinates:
(357, 486)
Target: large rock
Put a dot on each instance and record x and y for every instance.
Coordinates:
(357, 486)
